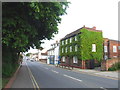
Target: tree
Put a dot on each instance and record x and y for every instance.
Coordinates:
(28, 54)
(25, 24)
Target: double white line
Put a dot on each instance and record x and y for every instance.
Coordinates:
(35, 85)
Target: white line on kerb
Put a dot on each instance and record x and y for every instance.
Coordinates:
(103, 88)
(55, 71)
(72, 78)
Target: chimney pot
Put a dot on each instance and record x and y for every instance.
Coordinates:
(94, 28)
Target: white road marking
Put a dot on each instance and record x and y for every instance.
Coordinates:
(72, 78)
(103, 88)
(55, 71)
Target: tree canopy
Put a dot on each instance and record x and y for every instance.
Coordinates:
(25, 24)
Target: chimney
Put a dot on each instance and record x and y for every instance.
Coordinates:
(94, 28)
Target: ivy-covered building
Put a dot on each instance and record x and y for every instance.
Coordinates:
(82, 48)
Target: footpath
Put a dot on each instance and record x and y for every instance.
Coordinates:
(21, 78)
(107, 74)
(97, 72)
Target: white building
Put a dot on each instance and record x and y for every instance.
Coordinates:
(53, 54)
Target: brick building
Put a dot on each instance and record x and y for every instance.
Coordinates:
(72, 49)
(111, 48)
(111, 53)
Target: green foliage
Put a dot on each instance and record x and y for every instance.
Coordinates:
(115, 67)
(28, 54)
(25, 24)
(84, 42)
(88, 38)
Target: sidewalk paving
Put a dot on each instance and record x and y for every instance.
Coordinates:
(23, 79)
(110, 74)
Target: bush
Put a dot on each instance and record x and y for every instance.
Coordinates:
(8, 69)
(115, 67)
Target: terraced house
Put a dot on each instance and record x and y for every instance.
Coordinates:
(82, 48)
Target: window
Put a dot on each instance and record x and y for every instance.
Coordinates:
(70, 40)
(105, 48)
(62, 42)
(75, 59)
(119, 47)
(66, 49)
(76, 47)
(70, 48)
(114, 49)
(66, 41)
(75, 38)
(62, 50)
(63, 59)
(93, 47)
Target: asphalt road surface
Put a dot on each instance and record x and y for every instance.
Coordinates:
(46, 76)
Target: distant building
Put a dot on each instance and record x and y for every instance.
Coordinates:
(34, 56)
(43, 57)
(53, 54)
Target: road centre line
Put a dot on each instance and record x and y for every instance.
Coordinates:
(72, 78)
(55, 71)
(35, 85)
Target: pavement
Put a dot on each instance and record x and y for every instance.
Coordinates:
(23, 78)
(109, 74)
(97, 72)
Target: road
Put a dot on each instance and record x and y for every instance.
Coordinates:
(48, 76)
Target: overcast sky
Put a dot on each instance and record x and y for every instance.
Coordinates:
(100, 13)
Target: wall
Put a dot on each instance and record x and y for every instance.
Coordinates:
(105, 64)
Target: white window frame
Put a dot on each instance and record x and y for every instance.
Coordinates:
(70, 48)
(75, 38)
(105, 49)
(93, 47)
(63, 59)
(62, 42)
(62, 50)
(118, 47)
(66, 49)
(75, 59)
(71, 40)
(76, 48)
(66, 41)
(114, 48)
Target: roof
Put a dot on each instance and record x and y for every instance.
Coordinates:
(111, 40)
(51, 49)
(78, 31)
(43, 53)
(114, 40)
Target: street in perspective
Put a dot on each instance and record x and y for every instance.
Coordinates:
(41, 75)
(60, 44)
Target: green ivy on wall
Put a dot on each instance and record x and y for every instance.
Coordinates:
(84, 42)
(87, 39)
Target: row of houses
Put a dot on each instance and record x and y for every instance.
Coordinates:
(83, 48)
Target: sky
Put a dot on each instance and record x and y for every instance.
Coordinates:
(100, 13)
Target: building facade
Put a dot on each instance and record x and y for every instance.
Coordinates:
(111, 48)
(82, 48)
(53, 54)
